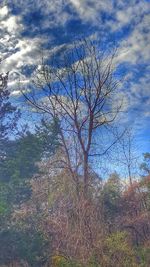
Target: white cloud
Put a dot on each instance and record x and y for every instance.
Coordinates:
(10, 24)
(21, 55)
(131, 14)
(53, 11)
(19, 92)
(3, 12)
(135, 48)
(139, 100)
(90, 10)
(16, 51)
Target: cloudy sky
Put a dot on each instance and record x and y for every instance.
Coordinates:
(28, 27)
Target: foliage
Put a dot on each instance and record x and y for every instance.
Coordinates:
(20, 164)
(29, 246)
(145, 166)
(60, 261)
(110, 198)
(47, 134)
(118, 251)
(143, 254)
(20, 159)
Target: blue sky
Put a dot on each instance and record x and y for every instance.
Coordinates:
(29, 26)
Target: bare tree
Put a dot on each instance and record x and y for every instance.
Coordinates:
(80, 93)
(127, 154)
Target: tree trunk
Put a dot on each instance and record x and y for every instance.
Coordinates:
(85, 176)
